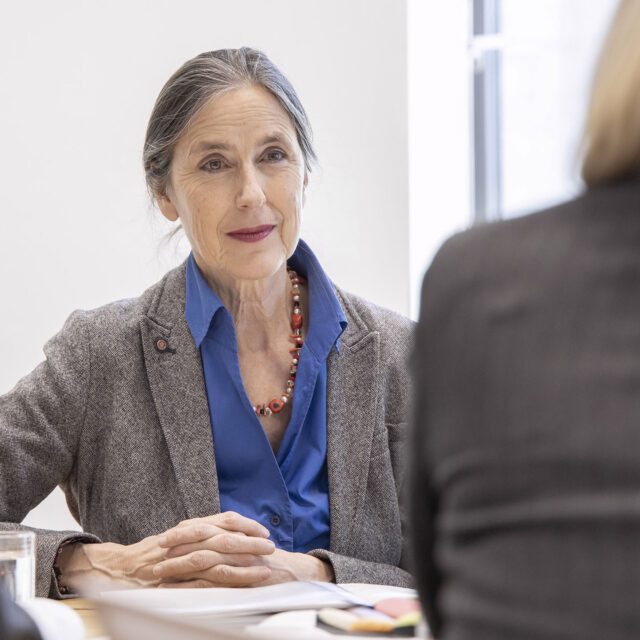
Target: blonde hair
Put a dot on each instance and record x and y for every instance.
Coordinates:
(611, 139)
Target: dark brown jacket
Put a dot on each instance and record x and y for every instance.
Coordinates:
(526, 443)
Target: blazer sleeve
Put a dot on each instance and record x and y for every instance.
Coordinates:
(394, 334)
(348, 569)
(41, 419)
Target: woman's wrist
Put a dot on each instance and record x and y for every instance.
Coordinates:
(312, 569)
(129, 563)
(324, 570)
(69, 563)
(114, 562)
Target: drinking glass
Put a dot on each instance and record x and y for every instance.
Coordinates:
(17, 564)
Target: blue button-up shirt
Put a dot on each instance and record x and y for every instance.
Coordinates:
(287, 492)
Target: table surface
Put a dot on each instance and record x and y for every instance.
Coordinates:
(86, 609)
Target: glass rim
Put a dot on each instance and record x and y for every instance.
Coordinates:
(17, 533)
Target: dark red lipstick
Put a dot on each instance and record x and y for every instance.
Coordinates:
(252, 234)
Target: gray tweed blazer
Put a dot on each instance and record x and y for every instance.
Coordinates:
(124, 429)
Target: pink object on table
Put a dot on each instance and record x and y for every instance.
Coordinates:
(397, 607)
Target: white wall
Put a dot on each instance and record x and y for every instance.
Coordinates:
(439, 89)
(77, 82)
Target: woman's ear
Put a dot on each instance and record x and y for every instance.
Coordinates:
(305, 182)
(167, 207)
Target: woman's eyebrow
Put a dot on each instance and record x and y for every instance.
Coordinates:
(208, 146)
(274, 138)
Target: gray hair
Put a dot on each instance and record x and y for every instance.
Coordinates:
(195, 83)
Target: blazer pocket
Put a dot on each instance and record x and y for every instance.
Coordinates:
(392, 438)
(380, 443)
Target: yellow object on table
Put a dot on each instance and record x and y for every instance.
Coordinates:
(88, 612)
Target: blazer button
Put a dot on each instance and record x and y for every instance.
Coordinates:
(162, 344)
(275, 520)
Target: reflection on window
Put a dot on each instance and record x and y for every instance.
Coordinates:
(487, 147)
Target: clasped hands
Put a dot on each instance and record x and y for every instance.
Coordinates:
(223, 550)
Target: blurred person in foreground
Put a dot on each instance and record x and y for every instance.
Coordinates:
(241, 422)
(15, 622)
(525, 470)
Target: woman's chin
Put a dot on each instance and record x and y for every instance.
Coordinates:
(257, 267)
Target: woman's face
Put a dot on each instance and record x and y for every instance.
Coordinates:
(237, 184)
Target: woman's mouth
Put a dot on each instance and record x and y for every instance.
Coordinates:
(252, 234)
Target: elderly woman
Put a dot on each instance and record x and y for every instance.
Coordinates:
(241, 422)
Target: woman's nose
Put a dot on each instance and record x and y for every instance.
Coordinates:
(250, 194)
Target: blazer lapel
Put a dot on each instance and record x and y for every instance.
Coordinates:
(174, 370)
(352, 373)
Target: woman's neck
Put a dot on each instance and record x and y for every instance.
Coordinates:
(261, 309)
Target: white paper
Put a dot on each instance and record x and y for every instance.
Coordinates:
(222, 602)
(54, 620)
(377, 592)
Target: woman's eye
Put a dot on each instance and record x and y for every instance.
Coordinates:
(274, 155)
(215, 164)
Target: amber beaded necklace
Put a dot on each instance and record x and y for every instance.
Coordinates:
(277, 404)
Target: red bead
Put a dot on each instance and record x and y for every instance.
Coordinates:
(276, 405)
(297, 340)
(296, 321)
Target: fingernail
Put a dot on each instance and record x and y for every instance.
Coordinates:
(162, 541)
(265, 532)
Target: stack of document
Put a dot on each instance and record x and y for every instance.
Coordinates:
(228, 614)
(213, 603)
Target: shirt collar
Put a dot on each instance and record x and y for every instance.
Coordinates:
(201, 303)
(327, 319)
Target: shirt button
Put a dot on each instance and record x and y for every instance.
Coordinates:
(161, 344)
(275, 520)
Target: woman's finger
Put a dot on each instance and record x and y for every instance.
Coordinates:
(223, 576)
(228, 543)
(184, 567)
(229, 521)
(232, 521)
(188, 534)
